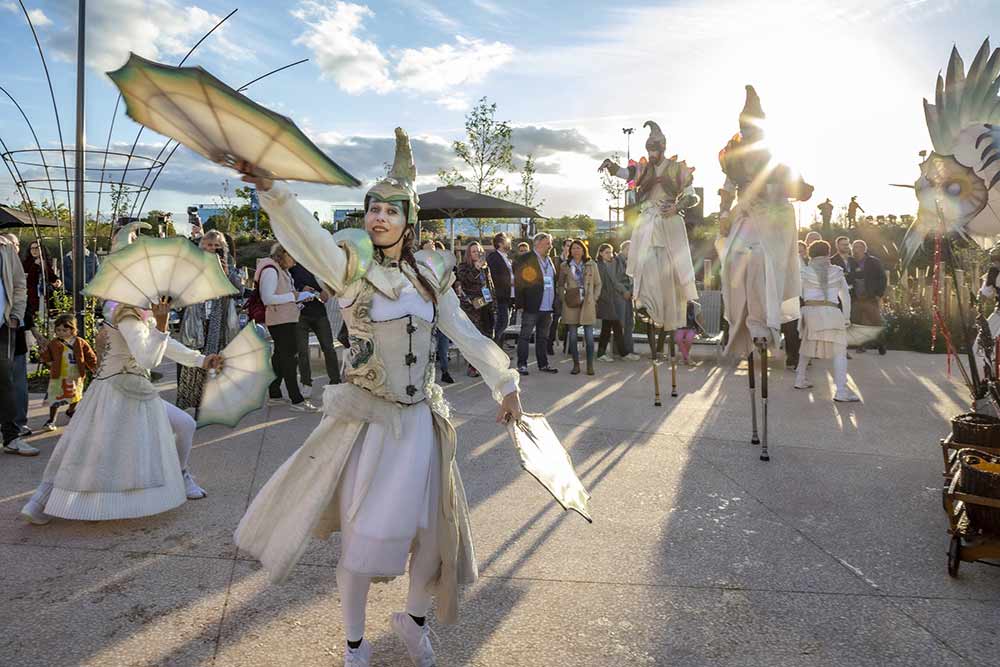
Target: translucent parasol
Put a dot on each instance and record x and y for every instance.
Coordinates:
(862, 334)
(151, 268)
(241, 386)
(194, 108)
(544, 457)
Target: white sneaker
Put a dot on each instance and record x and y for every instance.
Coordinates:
(20, 447)
(304, 406)
(194, 492)
(807, 385)
(417, 638)
(632, 356)
(358, 657)
(847, 396)
(32, 513)
(49, 426)
(606, 357)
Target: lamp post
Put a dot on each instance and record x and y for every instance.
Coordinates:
(78, 210)
(627, 131)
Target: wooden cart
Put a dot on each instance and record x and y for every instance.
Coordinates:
(969, 543)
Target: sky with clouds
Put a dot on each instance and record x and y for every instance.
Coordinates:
(840, 80)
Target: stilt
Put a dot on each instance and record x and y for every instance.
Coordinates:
(754, 439)
(672, 344)
(764, 456)
(653, 357)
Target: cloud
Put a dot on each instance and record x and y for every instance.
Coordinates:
(490, 7)
(38, 17)
(432, 14)
(542, 141)
(155, 29)
(335, 35)
(449, 66)
(354, 63)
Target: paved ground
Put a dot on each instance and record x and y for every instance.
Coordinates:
(831, 554)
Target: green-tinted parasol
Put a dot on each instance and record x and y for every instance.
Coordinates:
(241, 386)
(150, 269)
(194, 108)
(544, 457)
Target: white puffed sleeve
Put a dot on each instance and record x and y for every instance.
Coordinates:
(146, 344)
(185, 356)
(478, 350)
(303, 238)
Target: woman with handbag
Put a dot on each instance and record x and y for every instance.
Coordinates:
(207, 327)
(478, 300)
(579, 284)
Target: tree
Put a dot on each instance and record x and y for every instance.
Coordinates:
(613, 186)
(451, 176)
(528, 194)
(579, 222)
(244, 215)
(487, 150)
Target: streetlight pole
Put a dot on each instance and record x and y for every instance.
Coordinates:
(627, 131)
(78, 206)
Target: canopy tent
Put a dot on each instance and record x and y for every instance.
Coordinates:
(454, 201)
(12, 217)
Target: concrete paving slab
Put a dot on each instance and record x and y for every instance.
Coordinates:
(74, 607)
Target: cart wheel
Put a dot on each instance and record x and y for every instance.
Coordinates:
(954, 555)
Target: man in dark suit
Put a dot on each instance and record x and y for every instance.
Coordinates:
(869, 285)
(502, 271)
(845, 260)
(534, 294)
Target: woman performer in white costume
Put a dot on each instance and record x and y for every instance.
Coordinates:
(380, 467)
(125, 453)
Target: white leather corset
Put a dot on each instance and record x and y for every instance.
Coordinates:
(392, 359)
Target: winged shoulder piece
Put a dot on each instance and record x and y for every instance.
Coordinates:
(360, 252)
(437, 266)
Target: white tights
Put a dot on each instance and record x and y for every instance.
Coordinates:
(183, 426)
(839, 371)
(425, 564)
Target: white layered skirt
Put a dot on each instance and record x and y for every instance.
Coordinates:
(389, 492)
(823, 332)
(117, 459)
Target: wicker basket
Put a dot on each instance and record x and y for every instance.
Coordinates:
(973, 428)
(981, 477)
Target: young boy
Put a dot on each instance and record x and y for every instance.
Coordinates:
(68, 357)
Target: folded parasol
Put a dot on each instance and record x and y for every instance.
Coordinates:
(544, 457)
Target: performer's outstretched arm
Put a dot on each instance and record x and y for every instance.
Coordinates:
(491, 362)
(303, 238)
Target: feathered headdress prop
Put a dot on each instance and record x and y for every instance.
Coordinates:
(958, 186)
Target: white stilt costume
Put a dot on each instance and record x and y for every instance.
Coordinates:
(758, 247)
(659, 260)
(380, 467)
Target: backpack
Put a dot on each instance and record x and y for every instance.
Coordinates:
(256, 308)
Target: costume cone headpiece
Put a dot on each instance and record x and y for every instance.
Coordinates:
(656, 140)
(752, 112)
(398, 186)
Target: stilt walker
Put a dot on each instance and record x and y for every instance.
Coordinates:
(758, 247)
(659, 260)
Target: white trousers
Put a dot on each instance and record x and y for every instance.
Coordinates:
(425, 564)
(839, 372)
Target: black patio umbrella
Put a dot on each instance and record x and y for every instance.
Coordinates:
(454, 201)
(12, 217)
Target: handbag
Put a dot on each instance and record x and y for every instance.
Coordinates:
(574, 296)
